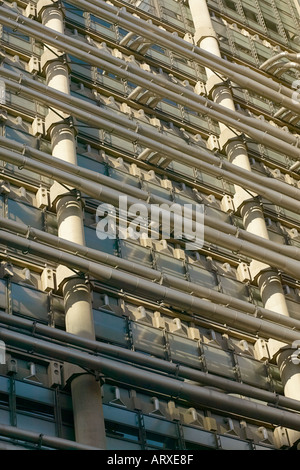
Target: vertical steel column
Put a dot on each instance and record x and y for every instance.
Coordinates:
(267, 279)
(86, 392)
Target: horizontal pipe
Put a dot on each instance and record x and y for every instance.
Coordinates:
(148, 273)
(124, 188)
(105, 194)
(241, 75)
(178, 389)
(42, 440)
(158, 84)
(48, 333)
(152, 291)
(133, 130)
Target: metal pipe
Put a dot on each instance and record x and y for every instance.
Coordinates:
(124, 188)
(269, 136)
(126, 355)
(241, 75)
(204, 161)
(132, 375)
(148, 273)
(42, 440)
(153, 291)
(162, 143)
(161, 86)
(284, 54)
(104, 194)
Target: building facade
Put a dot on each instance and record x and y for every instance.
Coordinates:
(113, 335)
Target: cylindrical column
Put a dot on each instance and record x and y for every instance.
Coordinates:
(251, 211)
(86, 391)
(272, 293)
(69, 218)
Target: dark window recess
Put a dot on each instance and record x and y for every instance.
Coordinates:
(36, 409)
(3, 399)
(250, 15)
(230, 4)
(270, 25)
(121, 431)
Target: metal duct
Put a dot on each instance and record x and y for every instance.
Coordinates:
(243, 76)
(41, 331)
(148, 273)
(157, 141)
(58, 443)
(250, 126)
(103, 193)
(152, 291)
(178, 389)
(124, 188)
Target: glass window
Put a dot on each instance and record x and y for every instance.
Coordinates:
(197, 436)
(91, 164)
(234, 288)
(229, 443)
(135, 253)
(29, 215)
(5, 417)
(160, 426)
(33, 392)
(36, 425)
(74, 14)
(118, 142)
(80, 68)
(124, 177)
(110, 327)
(16, 39)
(118, 444)
(110, 80)
(218, 361)
(29, 302)
(20, 136)
(184, 350)
(118, 415)
(202, 276)
(253, 372)
(169, 265)
(148, 339)
(36, 409)
(92, 241)
(4, 384)
(102, 26)
(157, 190)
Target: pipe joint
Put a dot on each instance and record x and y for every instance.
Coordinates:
(65, 122)
(216, 82)
(203, 33)
(65, 274)
(53, 55)
(59, 191)
(71, 372)
(257, 269)
(227, 137)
